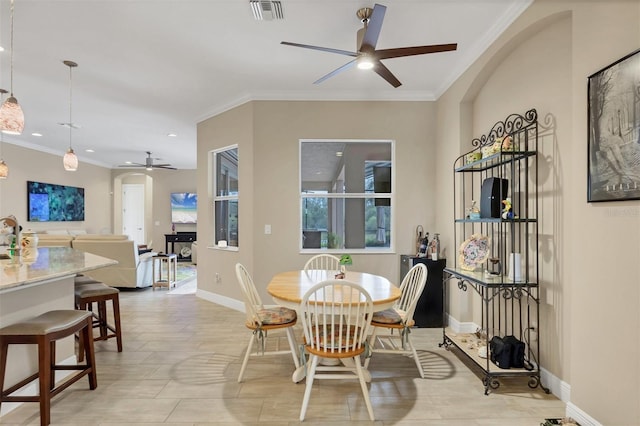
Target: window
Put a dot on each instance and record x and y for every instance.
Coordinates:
(225, 197)
(346, 195)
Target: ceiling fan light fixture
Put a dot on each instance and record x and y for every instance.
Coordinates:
(365, 63)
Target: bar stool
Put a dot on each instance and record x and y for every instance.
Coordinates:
(96, 292)
(43, 331)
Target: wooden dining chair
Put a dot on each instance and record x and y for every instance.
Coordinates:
(261, 321)
(336, 316)
(398, 320)
(327, 262)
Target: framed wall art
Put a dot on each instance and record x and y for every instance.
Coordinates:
(614, 131)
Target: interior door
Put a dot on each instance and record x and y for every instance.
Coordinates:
(133, 212)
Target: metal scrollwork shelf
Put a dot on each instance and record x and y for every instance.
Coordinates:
(509, 296)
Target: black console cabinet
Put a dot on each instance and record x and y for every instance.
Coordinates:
(180, 237)
(429, 308)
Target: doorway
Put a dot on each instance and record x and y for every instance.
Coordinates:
(133, 212)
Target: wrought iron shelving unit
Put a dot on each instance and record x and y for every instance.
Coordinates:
(509, 305)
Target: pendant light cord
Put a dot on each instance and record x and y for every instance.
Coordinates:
(70, 104)
(11, 57)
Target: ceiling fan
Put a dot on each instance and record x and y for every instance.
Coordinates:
(367, 57)
(149, 165)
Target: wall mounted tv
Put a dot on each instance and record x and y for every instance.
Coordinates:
(48, 202)
(184, 207)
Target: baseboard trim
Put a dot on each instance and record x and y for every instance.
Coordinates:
(580, 416)
(219, 299)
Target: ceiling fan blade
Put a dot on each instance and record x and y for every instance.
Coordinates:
(322, 49)
(370, 38)
(416, 50)
(336, 71)
(132, 165)
(384, 72)
(161, 165)
(167, 168)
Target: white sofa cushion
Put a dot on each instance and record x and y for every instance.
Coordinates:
(132, 269)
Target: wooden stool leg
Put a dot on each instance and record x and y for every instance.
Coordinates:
(82, 306)
(44, 361)
(87, 338)
(4, 349)
(102, 319)
(116, 314)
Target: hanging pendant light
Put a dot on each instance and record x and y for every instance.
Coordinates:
(4, 168)
(11, 115)
(70, 160)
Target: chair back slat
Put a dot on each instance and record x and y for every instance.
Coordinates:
(326, 262)
(252, 300)
(336, 315)
(411, 288)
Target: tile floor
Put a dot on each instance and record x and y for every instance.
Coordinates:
(182, 356)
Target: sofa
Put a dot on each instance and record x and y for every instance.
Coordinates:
(133, 270)
(54, 240)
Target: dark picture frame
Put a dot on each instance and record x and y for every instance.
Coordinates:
(614, 131)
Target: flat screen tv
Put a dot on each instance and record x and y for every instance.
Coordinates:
(47, 202)
(184, 207)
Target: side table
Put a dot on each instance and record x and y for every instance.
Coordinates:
(165, 270)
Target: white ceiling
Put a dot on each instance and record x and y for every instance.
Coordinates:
(147, 68)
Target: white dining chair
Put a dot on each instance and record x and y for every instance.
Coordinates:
(261, 321)
(336, 317)
(326, 262)
(398, 320)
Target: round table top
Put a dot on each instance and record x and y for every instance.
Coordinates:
(289, 287)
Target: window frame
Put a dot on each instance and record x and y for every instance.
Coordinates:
(220, 198)
(365, 195)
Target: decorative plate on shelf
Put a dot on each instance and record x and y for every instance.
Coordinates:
(474, 251)
(185, 252)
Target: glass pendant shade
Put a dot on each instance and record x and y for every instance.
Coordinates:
(70, 161)
(11, 117)
(4, 170)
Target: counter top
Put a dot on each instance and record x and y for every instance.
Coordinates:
(49, 263)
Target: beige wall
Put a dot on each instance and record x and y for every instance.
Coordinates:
(27, 164)
(590, 295)
(268, 134)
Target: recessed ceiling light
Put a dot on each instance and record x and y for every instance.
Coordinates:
(89, 150)
(128, 162)
(171, 135)
(36, 134)
(1, 49)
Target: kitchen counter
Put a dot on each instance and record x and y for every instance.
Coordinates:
(50, 263)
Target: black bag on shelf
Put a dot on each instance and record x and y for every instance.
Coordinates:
(500, 352)
(508, 352)
(517, 351)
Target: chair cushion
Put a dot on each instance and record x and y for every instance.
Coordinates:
(388, 316)
(277, 315)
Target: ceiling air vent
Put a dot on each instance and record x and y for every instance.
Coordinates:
(264, 10)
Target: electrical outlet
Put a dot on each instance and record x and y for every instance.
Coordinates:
(218, 279)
